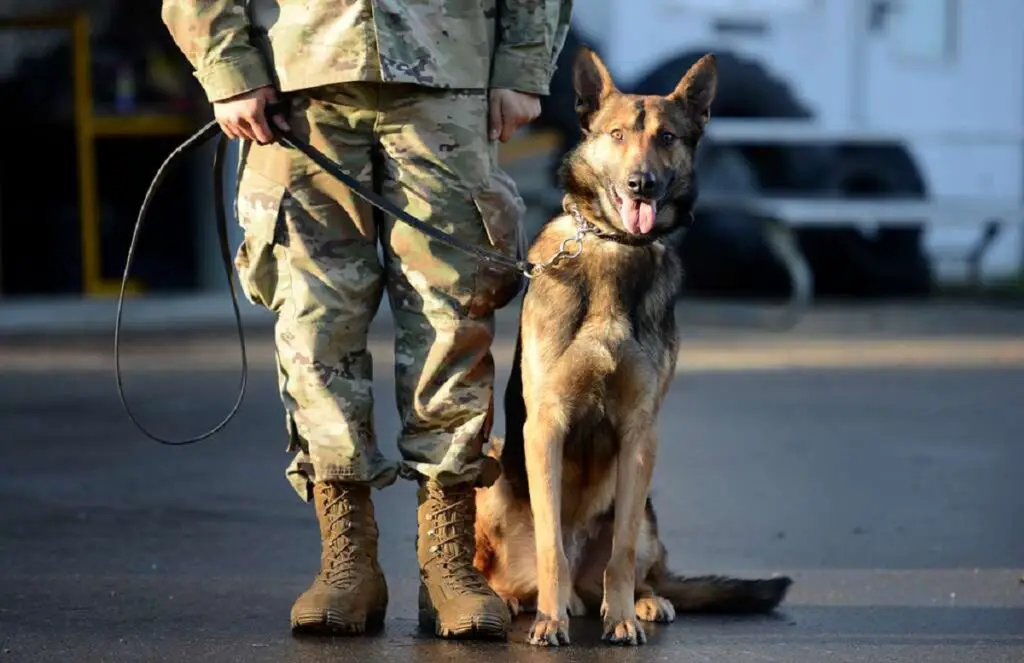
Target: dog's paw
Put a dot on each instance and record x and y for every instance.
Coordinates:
(655, 609)
(624, 632)
(548, 632)
(576, 607)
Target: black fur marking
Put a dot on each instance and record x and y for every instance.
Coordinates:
(574, 310)
(633, 286)
(513, 453)
(641, 116)
(634, 240)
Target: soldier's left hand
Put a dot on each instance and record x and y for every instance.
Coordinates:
(511, 110)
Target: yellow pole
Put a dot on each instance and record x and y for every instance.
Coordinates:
(85, 140)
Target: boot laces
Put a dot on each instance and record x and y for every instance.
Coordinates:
(452, 522)
(342, 564)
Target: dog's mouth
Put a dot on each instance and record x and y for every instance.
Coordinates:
(637, 214)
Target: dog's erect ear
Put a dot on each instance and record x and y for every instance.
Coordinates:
(592, 83)
(697, 88)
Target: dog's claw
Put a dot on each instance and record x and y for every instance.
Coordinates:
(549, 632)
(625, 632)
(655, 609)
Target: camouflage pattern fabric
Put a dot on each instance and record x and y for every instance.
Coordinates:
(310, 256)
(311, 43)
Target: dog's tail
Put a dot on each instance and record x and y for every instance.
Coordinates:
(715, 594)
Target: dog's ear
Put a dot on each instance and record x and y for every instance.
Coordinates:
(696, 90)
(592, 83)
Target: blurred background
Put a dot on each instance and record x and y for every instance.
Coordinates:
(864, 167)
(883, 137)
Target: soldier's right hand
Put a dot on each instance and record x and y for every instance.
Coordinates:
(243, 116)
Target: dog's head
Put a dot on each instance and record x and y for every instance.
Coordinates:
(633, 169)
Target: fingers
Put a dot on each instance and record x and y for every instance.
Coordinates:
(514, 121)
(279, 120)
(230, 129)
(244, 117)
(497, 112)
(259, 128)
(509, 125)
(509, 111)
(282, 123)
(250, 127)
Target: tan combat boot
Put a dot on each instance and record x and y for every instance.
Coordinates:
(349, 595)
(455, 599)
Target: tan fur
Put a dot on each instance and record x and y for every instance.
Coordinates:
(569, 527)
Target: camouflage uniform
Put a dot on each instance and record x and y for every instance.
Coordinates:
(396, 91)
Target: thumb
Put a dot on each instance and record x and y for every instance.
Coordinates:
(270, 97)
(495, 117)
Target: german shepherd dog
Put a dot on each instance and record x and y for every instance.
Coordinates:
(569, 527)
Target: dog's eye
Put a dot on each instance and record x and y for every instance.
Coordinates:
(616, 135)
(667, 137)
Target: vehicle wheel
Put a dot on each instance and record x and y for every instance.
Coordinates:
(846, 261)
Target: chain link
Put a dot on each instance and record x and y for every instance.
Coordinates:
(563, 253)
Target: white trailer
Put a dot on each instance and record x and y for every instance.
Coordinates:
(912, 99)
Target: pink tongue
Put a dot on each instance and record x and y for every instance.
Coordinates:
(637, 215)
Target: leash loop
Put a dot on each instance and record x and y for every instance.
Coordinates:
(211, 130)
(194, 142)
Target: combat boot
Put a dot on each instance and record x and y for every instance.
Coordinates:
(349, 595)
(455, 599)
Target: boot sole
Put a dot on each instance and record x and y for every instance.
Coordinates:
(473, 627)
(332, 622)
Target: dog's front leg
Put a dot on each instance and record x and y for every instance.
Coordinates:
(544, 437)
(636, 458)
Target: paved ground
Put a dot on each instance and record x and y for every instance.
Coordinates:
(876, 456)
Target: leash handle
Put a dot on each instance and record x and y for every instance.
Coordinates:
(194, 142)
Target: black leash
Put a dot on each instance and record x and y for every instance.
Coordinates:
(334, 170)
(193, 143)
(288, 138)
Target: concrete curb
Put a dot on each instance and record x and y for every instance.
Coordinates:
(210, 312)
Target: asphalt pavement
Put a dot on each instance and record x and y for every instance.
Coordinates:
(877, 458)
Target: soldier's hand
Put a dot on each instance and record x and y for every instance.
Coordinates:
(243, 116)
(511, 110)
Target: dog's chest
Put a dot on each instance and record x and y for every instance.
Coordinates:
(629, 321)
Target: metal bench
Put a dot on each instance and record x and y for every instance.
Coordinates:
(779, 216)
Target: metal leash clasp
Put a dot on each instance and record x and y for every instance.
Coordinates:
(563, 253)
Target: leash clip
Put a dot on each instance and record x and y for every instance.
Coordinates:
(582, 229)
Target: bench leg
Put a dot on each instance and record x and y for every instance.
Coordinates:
(782, 242)
(975, 256)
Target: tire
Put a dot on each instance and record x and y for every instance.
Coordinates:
(892, 263)
(723, 252)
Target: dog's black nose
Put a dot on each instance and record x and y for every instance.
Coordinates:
(642, 184)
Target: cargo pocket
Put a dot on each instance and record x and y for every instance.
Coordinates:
(258, 205)
(501, 210)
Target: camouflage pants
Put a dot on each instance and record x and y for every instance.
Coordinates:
(310, 255)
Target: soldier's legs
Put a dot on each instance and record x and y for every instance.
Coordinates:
(310, 256)
(440, 167)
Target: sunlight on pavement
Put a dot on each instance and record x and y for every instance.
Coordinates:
(222, 354)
